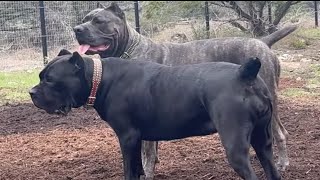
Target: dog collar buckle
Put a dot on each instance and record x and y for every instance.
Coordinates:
(91, 100)
(125, 55)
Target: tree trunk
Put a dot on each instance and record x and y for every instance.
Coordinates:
(253, 13)
(258, 28)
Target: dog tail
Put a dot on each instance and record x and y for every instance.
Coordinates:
(250, 70)
(276, 36)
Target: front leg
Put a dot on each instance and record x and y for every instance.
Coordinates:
(130, 144)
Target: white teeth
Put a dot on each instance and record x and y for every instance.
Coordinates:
(59, 111)
(63, 112)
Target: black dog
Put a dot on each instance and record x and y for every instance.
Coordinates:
(142, 100)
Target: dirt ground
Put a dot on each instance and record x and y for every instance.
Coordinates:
(36, 145)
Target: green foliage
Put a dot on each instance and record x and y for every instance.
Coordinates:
(310, 33)
(164, 11)
(298, 43)
(198, 31)
(304, 37)
(297, 93)
(156, 15)
(153, 9)
(191, 8)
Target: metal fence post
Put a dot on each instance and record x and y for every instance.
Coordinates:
(269, 13)
(206, 11)
(136, 12)
(316, 14)
(43, 33)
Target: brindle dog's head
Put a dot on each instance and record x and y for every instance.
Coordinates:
(62, 85)
(103, 31)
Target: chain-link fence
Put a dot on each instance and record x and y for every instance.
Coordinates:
(21, 36)
(20, 31)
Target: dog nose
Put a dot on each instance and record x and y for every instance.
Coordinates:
(32, 91)
(78, 29)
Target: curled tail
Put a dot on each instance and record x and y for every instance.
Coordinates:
(276, 36)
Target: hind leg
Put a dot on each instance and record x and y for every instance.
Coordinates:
(236, 141)
(233, 123)
(261, 141)
(237, 151)
(280, 135)
(280, 140)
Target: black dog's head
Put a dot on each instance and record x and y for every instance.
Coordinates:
(102, 31)
(62, 84)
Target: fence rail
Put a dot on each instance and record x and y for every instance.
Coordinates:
(32, 31)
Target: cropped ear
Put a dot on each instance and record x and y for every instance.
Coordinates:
(99, 5)
(250, 70)
(116, 10)
(64, 52)
(77, 60)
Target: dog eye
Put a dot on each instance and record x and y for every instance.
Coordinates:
(98, 20)
(49, 79)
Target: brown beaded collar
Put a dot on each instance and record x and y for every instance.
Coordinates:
(96, 79)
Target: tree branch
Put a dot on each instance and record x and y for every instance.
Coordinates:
(294, 2)
(239, 11)
(282, 10)
(251, 9)
(238, 25)
(253, 13)
(220, 4)
(261, 6)
(227, 20)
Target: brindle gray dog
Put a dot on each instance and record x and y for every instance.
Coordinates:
(105, 31)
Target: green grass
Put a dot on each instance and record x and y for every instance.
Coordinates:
(304, 37)
(299, 43)
(314, 81)
(315, 68)
(312, 86)
(14, 86)
(310, 33)
(298, 93)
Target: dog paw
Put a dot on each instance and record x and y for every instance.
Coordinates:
(282, 164)
(157, 160)
(142, 177)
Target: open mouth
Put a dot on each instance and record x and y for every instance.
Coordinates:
(83, 48)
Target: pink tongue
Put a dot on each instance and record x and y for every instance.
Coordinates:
(99, 48)
(83, 48)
